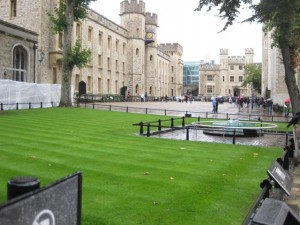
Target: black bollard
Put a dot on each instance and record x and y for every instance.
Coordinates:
(159, 125)
(20, 185)
(187, 134)
(233, 138)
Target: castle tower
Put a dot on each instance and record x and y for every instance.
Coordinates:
(249, 53)
(175, 70)
(223, 59)
(151, 54)
(133, 19)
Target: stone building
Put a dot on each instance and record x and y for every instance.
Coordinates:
(273, 73)
(225, 78)
(18, 53)
(123, 56)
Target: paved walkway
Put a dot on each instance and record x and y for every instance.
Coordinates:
(200, 108)
(293, 200)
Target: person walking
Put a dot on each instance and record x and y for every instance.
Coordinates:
(214, 105)
(286, 109)
(142, 97)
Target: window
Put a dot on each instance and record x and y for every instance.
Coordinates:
(240, 78)
(13, 8)
(223, 78)
(172, 68)
(231, 78)
(117, 66)
(77, 82)
(20, 59)
(100, 35)
(90, 59)
(241, 67)
(150, 90)
(137, 89)
(151, 57)
(60, 40)
(108, 63)
(137, 51)
(124, 48)
(89, 83)
(108, 86)
(100, 61)
(265, 44)
(54, 74)
(210, 78)
(231, 67)
(210, 89)
(90, 34)
(99, 85)
(116, 87)
(109, 42)
(78, 30)
(117, 45)
(123, 67)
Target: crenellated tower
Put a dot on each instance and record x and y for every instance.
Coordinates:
(151, 53)
(223, 59)
(249, 53)
(175, 74)
(133, 20)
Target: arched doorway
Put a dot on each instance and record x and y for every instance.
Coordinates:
(236, 91)
(20, 61)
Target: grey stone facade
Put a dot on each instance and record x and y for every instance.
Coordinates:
(225, 78)
(273, 73)
(18, 53)
(120, 56)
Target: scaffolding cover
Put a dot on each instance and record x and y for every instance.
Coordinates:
(12, 92)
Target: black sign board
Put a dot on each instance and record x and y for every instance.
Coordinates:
(281, 177)
(56, 204)
(273, 211)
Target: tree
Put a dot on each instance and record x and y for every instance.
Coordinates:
(253, 76)
(66, 13)
(282, 18)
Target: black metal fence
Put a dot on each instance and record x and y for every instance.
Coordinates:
(166, 112)
(29, 105)
(195, 114)
(155, 127)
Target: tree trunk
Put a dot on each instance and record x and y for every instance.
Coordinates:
(65, 99)
(290, 78)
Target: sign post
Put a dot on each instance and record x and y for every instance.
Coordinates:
(56, 204)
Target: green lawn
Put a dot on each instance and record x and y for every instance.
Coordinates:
(130, 179)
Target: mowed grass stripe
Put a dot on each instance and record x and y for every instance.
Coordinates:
(129, 179)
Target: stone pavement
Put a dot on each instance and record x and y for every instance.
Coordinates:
(293, 201)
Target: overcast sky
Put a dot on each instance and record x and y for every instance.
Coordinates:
(196, 32)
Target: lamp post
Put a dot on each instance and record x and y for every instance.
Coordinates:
(42, 56)
(252, 96)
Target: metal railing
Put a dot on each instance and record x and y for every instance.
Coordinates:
(29, 105)
(267, 184)
(193, 114)
(156, 127)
